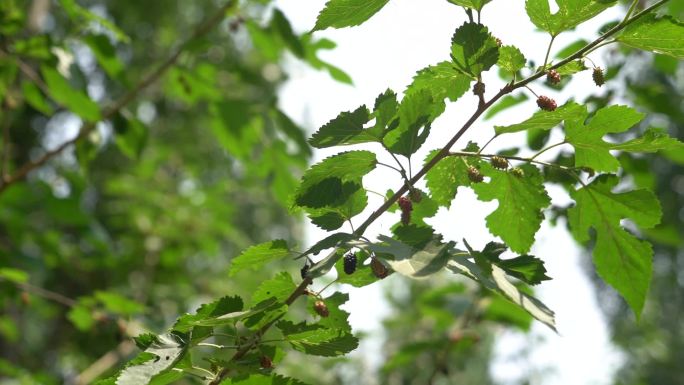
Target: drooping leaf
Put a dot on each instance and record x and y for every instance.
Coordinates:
(664, 35)
(545, 120)
(318, 340)
(260, 379)
(474, 49)
(221, 306)
(571, 13)
(621, 259)
(34, 97)
(590, 149)
(521, 201)
(497, 281)
(158, 357)
(526, 268)
(409, 261)
(511, 59)
(257, 256)
(347, 13)
(328, 242)
(329, 182)
(346, 128)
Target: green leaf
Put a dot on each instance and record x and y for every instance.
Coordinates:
(511, 59)
(473, 4)
(328, 242)
(35, 98)
(663, 35)
(572, 67)
(318, 340)
(353, 200)
(130, 135)
(347, 13)
(571, 13)
(526, 268)
(331, 181)
(158, 357)
(279, 287)
(443, 81)
(497, 281)
(117, 304)
(13, 275)
(545, 120)
(622, 260)
(409, 261)
(259, 255)
(260, 379)
(590, 149)
(415, 112)
(221, 306)
(521, 201)
(445, 177)
(654, 139)
(105, 54)
(75, 100)
(82, 317)
(505, 103)
(474, 49)
(346, 128)
(79, 14)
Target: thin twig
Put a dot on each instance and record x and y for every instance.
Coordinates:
(47, 294)
(121, 102)
(547, 148)
(6, 148)
(548, 51)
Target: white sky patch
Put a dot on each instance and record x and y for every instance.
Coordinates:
(385, 52)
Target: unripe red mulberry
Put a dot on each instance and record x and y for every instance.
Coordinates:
(553, 77)
(517, 171)
(598, 77)
(350, 261)
(479, 89)
(266, 362)
(379, 270)
(499, 162)
(415, 195)
(321, 309)
(546, 103)
(406, 207)
(474, 175)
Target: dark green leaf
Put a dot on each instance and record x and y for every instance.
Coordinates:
(346, 128)
(473, 49)
(415, 112)
(571, 13)
(222, 306)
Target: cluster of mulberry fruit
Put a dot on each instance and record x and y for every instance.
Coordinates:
(406, 207)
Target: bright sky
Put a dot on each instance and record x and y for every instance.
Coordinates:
(386, 51)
